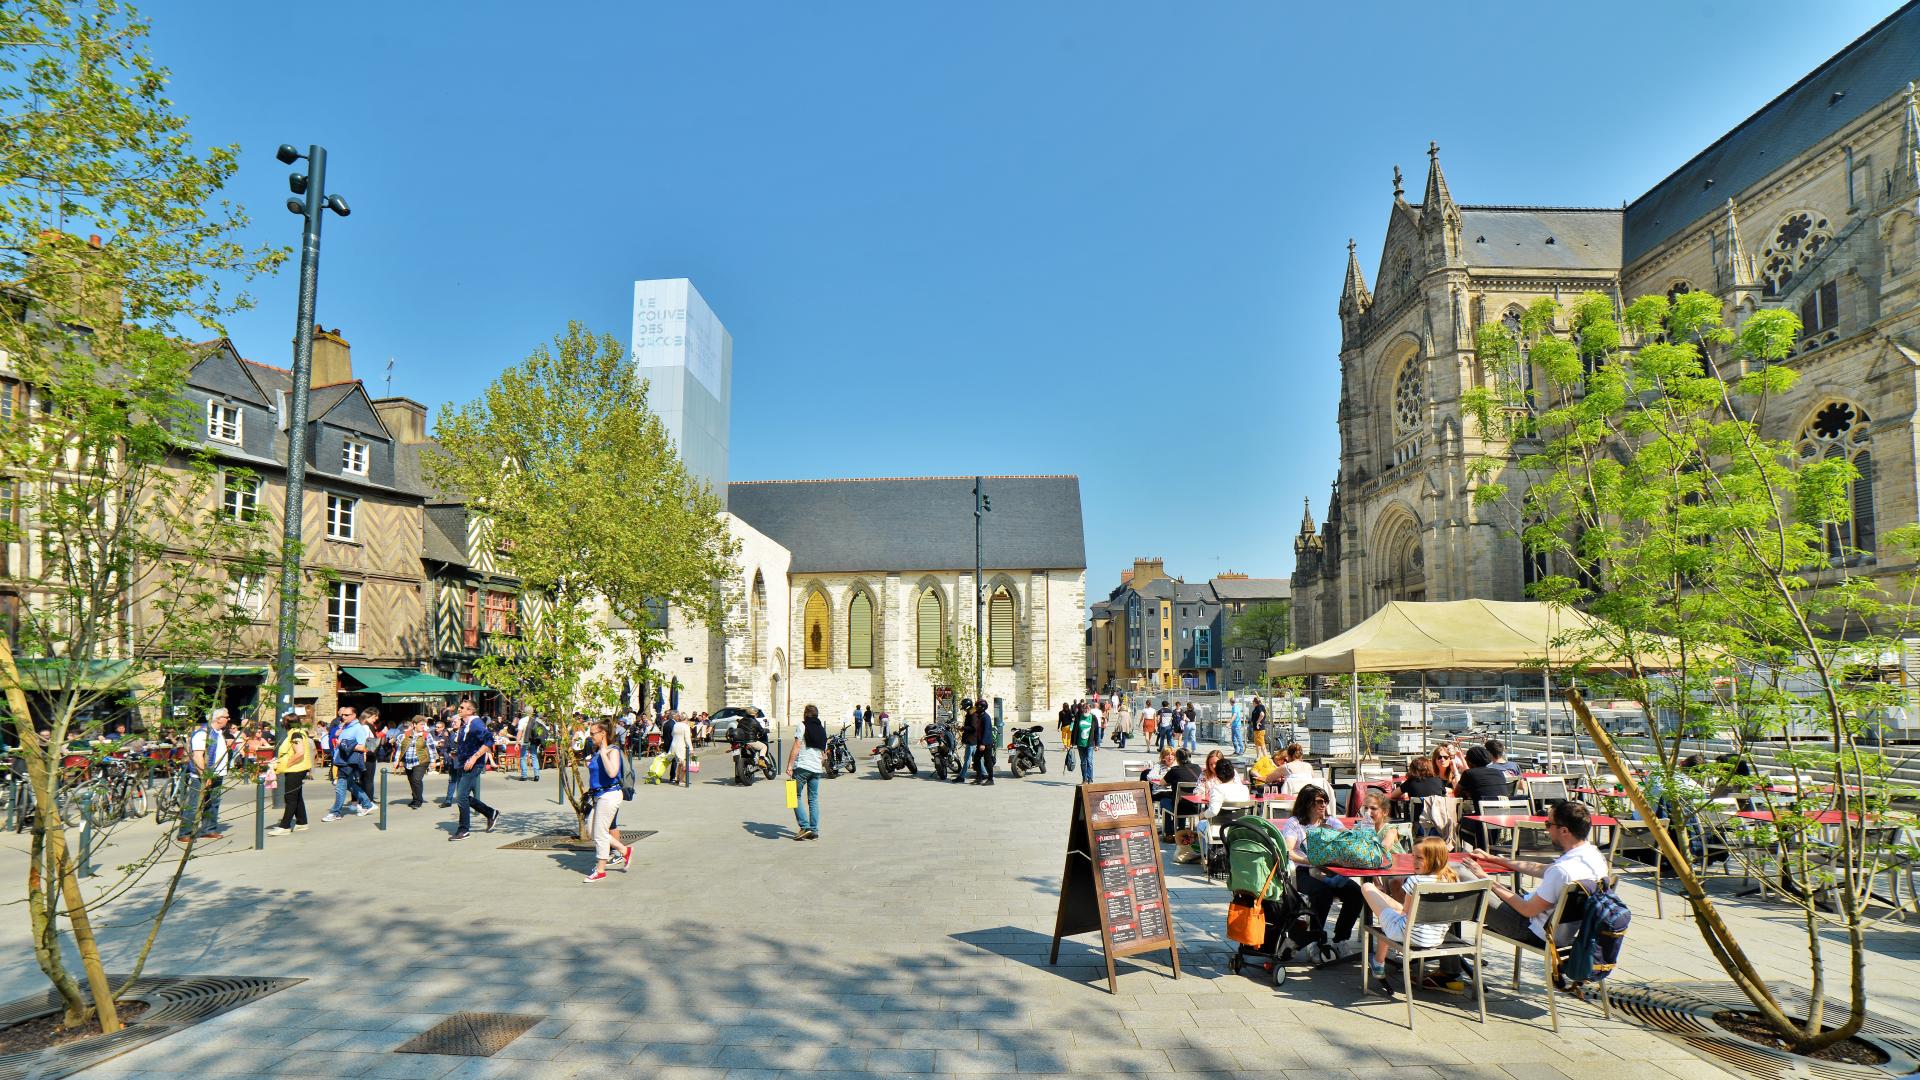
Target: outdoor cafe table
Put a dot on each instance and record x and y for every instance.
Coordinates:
(1404, 866)
(1516, 822)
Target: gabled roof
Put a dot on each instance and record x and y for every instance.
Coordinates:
(922, 523)
(1874, 67)
(1244, 589)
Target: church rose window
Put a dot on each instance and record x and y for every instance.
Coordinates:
(1796, 243)
(1409, 396)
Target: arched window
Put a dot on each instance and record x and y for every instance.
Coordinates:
(1839, 430)
(1796, 243)
(819, 641)
(1000, 628)
(929, 628)
(860, 631)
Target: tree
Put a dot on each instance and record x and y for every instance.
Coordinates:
(562, 456)
(956, 663)
(110, 509)
(1719, 566)
(1266, 627)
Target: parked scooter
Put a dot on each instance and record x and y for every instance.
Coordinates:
(1027, 754)
(839, 758)
(940, 744)
(895, 753)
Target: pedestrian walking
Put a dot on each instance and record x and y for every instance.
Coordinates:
(1257, 720)
(376, 731)
(351, 745)
(1190, 728)
(866, 717)
(680, 748)
(1086, 737)
(440, 748)
(412, 756)
(1164, 723)
(980, 724)
(291, 763)
(1235, 731)
(207, 772)
(532, 736)
(473, 750)
(805, 764)
(857, 730)
(606, 785)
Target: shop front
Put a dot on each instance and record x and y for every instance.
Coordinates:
(401, 693)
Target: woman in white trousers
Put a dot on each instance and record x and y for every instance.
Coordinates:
(604, 785)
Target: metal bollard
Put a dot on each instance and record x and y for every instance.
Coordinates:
(260, 813)
(384, 773)
(15, 815)
(86, 849)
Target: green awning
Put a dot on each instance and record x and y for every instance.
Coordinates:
(406, 684)
(215, 671)
(53, 674)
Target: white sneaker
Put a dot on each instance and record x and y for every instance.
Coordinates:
(299, 828)
(331, 817)
(278, 830)
(362, 812)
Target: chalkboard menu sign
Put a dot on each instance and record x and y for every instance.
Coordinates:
(1113, 882)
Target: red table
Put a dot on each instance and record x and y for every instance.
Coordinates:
(1521, 821)
(1612, 793)
(1404, 866)
(1824, 817)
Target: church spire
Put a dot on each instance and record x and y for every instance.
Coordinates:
(1437, 198)
(1306, 517)
(1354, 297)
(1739, 268)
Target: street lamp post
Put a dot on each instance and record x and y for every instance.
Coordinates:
(982, 506)
(311, 201)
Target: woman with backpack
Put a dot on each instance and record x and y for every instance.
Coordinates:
(605, 777)
(806, 763)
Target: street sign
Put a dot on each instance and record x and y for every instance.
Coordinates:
(1113, 881)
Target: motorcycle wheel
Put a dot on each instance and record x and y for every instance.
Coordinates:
(886, 770)
(767, 768)
(1040, 765)
(913, 767)
(1014, 767)
(850, 764)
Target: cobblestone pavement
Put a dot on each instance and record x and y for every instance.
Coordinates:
(911, 939)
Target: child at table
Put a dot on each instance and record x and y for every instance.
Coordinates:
(1430, 864)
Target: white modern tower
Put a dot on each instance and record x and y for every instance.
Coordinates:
(686, 356)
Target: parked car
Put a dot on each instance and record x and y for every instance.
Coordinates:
(723, 719)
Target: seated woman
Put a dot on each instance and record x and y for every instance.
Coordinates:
(1157, 771)
(1421, 781)
(1207, 778)
(1430, 864)
(1295, 771)
(1377, 814)
(1321, 887)
(1226, 788)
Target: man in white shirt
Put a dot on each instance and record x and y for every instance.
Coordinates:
(527, 734)
(207, 773)
(1524, 918)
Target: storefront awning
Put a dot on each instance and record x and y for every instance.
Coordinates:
(54, 674)
(407, 684)
(217, 671)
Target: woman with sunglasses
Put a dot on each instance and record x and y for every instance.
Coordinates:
(1321, 887)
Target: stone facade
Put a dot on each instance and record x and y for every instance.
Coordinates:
(1831, 231)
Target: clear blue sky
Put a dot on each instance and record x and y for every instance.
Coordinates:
(994, 236)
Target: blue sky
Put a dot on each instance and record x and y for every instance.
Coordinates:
(993, 237)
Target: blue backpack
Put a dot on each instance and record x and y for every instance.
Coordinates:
(1603, 933)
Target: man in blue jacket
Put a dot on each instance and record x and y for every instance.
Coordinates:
(352, 743)
(473, 750)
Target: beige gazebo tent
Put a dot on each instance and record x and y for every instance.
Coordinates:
(1454, 635)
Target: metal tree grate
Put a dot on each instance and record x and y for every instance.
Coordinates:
(469, 1034)
(172, 1004)
(1686, 1011)
(567, 841)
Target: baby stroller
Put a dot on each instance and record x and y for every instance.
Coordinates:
(1254, 848)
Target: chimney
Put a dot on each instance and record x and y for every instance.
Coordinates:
(405, 417)
(1147, 570)
(84, 276)
(332, 358)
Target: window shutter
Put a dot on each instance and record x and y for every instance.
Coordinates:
(928, 632)
(1863, 528)
(860, 631)
(1000, 629)
(819, 643)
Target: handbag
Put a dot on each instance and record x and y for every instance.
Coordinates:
(1247, 915)
(1070, 758)
(1355, 849)
(793, 794)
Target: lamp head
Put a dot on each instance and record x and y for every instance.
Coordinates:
(287, 154)
(295, 206)
(297, 183)
(338, 205)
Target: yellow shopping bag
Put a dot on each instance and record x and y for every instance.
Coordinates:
(793, 794)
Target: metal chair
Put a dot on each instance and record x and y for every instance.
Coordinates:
(1444, 904)
(1501, 808)
(1544, 792)
(1229, 811)
(1548, 953)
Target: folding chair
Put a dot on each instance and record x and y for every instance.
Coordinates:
(1434, 903)
(1228, 812)
(1549, 953)
(1502, 808)
(1544, 792)
(1177, 809)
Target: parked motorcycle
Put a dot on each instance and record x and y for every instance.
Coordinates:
(1027, 753)
(940, 745)
(839, 758)
(895, 753)
(746, 762)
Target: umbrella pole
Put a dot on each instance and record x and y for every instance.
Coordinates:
(1546, 703)
(1353, 703)
(1425, 723)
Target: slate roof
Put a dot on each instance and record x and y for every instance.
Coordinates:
(1230, 589)
(1184, 593)
(1534, 237)
(921, 523)
(446, 534)
(1876, 66)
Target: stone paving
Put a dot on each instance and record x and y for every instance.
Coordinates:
(911, 939)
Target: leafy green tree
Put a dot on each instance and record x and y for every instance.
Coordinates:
(1266, 627)
(1728, 595)
(957, 663)
(109, 509)
(565, 459)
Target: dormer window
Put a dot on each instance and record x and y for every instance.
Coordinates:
(223, 422)
(353, 457)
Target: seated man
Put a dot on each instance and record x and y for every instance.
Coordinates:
(1524, 918)
(1181, 772)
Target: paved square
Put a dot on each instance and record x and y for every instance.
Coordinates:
(911, 939)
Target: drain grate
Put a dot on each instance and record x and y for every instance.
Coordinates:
(1685, 1011)
(469, 1034)
(173, 1003)
(567, 841)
